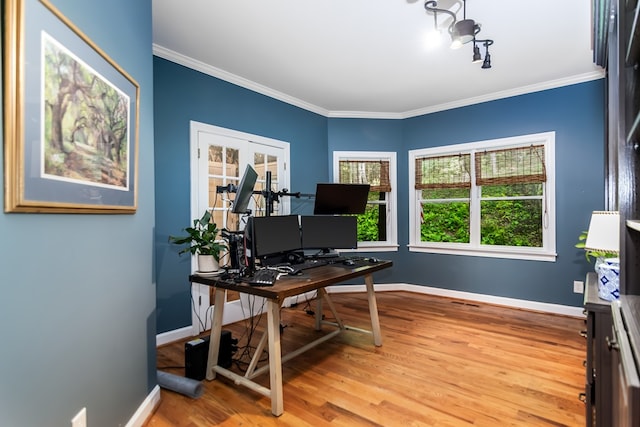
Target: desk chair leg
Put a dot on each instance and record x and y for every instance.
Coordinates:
(216, 330)
(275, 358)
(373, 310)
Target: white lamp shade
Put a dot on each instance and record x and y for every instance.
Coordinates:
(604, 232)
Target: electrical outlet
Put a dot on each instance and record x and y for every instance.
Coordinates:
(80, 420)
(578, 287)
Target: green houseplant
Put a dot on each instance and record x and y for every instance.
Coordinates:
(201, 241)
(588, 253)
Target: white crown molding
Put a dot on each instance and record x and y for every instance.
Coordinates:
(186, 61)
(538, 87)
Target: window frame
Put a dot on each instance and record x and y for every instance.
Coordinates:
(391, 244)
(545, 253)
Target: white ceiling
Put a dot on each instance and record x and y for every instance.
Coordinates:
(367, 58)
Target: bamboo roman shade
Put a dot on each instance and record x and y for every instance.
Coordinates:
(372, 172)
(450, 171)
(522, 165)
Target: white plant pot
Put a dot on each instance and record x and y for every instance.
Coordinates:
(207, 264)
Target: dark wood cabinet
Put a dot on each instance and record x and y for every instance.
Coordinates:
(623, 344)
(617, 47)
(598, 362)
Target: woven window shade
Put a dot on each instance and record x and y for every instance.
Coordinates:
(451, 171)
(522, 165)
(372, 172)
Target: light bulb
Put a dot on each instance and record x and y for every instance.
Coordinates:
(433, 39)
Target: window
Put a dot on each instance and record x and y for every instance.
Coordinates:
(491, 198)
(228, 154)
(377, 226)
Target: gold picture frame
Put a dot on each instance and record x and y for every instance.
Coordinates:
(71, 118)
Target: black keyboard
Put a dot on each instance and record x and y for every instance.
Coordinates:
(263, 277)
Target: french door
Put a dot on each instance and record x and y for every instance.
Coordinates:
(219, 157)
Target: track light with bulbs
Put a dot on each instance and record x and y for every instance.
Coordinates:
(462, 32)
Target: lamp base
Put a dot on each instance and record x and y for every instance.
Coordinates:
(608, 279)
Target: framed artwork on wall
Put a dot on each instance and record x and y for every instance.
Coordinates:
(70, 118)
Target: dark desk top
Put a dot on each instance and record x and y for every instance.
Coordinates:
(286, 286)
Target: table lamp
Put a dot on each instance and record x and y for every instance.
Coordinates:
(603, 238)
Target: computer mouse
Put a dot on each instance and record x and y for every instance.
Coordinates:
(374, 260)
(349, 262)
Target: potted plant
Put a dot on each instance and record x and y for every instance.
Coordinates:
(201, 239)
(606, 265)
(598, 256)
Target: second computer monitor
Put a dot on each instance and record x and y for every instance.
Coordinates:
(274, 235)
(328, 232)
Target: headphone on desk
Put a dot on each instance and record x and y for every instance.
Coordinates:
(295, 258)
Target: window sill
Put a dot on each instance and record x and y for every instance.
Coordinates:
(373, 247)
(524, 254)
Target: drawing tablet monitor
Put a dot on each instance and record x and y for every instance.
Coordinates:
(340, 199)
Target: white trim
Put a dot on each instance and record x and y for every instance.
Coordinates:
(174, 335)
(181, 59)
(247, 144)
(372, 247)
(392, 203)
(516, 253)
(564, 310)
(186, 61)
(145, 410)
(474, 248)
(537, 87)
(544, 307)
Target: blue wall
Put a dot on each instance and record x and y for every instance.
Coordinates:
(182, 95)
(575, 113)
(77, 319)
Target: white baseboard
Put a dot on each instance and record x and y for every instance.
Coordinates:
(173, 336)
(145, 409)
(490, 299)
(565, 310)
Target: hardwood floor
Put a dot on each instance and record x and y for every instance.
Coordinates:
(443, 362)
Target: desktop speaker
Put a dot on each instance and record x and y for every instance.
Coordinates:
(196, 353)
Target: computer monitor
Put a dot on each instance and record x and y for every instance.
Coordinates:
(274, 236)
(245, 190)
(340, 199)
(326, 233)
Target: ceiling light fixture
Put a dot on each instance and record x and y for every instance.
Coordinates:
(462, 32)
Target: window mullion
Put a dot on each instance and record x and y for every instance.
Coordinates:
(474, 206)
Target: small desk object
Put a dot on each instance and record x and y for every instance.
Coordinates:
(314, 279)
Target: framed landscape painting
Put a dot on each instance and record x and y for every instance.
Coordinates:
(71, 118)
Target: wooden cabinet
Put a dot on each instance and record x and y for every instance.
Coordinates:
(627, 97)
(623, 344)
(598, 363)
(617, 47)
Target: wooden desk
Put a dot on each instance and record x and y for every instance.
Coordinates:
(315, 279)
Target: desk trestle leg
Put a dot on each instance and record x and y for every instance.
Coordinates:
(216, 331)
(373, 310)
(275, 357)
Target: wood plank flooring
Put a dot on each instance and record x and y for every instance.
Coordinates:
(443, 362)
